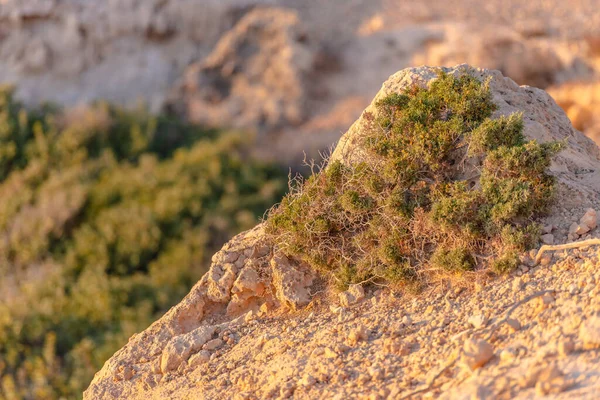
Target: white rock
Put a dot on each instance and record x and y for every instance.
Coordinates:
(353, 295)
(589, 333)
(477, 352)
(477, 321)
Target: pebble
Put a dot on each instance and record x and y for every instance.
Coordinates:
(550, 380)
(513, 324)
(357, 334)
(213, 344)
(589, 333)
(565, 347)
(589, 219)
(202, 357)
(477, 352)
(548, 238)
(477, 321)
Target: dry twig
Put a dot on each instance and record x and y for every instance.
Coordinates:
(574, 245)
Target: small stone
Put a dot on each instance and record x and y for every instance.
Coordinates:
(477, 321)
(202, 357)
(513, 324)
(329, 353)
(376, 373)
(573, 289)
(250, 316)
(509, 354)
(477, 352)
(358, 334)
(589, 219)
(307, 381)
(353, 295)
(573, 228)
(582, 229)
(548, 238)
(546, 259)
(550, 380)
(213, 344)
(406, 320)
(395, 346)
(547, 229)
(517, 284)
(589, 333)
(565, 347)
(547, 299)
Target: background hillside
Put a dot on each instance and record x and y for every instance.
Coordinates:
(172, 125)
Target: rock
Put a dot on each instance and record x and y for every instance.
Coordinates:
(589, 219)
(220, 281)
(213, 344)
(255, 78)
(547, 238)
(550, 380)
(573, 228)
(582, 229)
(565, 347)
(200, 358)
(589, 333)
(395, 346)
(291, 281)
(477, 353)
(74, 52)
(546, 259)
(329, 353)
(180, 347)
(292, 350)
(477, 321)
(247, 289)
(307, 381)
(353, 295)
(495, 48)
(357, 334)
(509, 354)
(513, 324)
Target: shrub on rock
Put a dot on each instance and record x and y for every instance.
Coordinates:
(440, 187)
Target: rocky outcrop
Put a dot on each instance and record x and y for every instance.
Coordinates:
(576, 167)
(249, 279)
(255, 77)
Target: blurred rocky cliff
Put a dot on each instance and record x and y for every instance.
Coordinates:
(298, 70)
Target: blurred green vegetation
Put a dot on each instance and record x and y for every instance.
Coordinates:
(107, 218)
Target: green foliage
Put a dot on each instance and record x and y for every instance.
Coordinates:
(438, 182)
(453, 260)
(108, 217)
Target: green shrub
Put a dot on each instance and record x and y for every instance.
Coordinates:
(439, 187)
(109, 216)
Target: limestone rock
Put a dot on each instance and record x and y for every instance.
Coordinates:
(589, 219)
(353, 295)
(180, 347)
(477, 353)
(589, 333)
(254, 78)
(543, 120)
(548, 238)
(291, 281)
